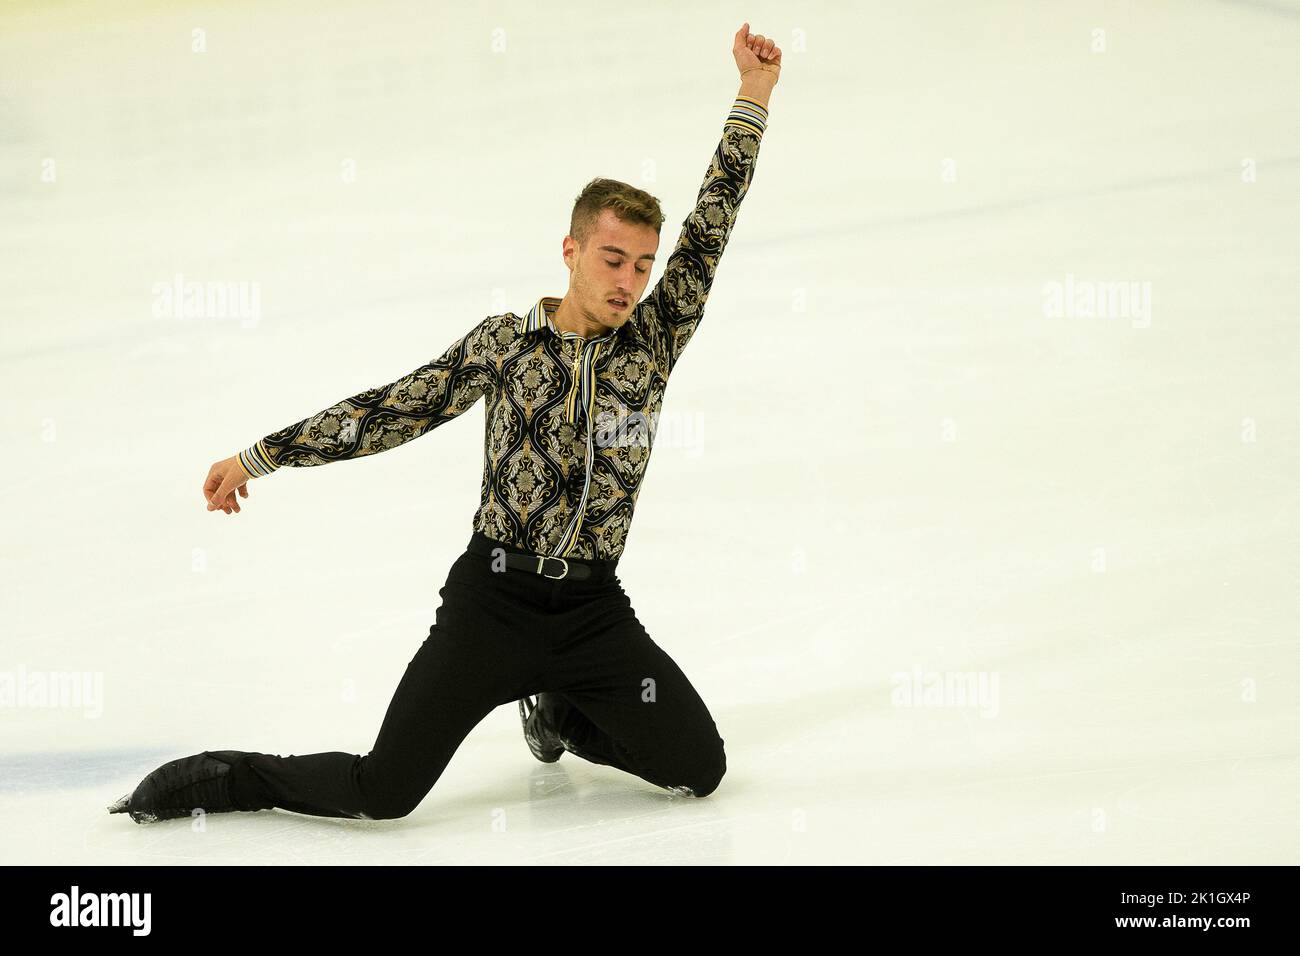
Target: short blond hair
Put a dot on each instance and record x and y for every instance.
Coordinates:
(629, 204)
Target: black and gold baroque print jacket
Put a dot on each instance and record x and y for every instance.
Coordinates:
(570, 421)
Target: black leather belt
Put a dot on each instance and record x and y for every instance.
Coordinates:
(548, 566)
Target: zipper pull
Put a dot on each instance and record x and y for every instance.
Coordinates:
(577, 356)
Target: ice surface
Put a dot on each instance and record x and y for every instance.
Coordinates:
(889, 468)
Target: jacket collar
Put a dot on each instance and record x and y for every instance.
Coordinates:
(539, 317)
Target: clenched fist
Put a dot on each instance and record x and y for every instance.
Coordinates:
(224, 479)
(753, 51)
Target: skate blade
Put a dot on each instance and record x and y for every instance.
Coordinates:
(120, 806)
(139, 816)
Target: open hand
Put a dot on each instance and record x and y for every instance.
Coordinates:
(224, 479)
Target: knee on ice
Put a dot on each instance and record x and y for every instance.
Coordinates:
(704, 782)
(390, 808)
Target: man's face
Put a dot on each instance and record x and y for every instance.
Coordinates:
(614, 263)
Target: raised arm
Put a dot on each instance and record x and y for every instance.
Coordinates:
(677, 300)
(368, 423)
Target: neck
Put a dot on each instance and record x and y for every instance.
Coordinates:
(569, 318)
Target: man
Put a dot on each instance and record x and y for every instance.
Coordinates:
(533, 607)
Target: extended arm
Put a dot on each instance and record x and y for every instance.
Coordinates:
(381, 418)
(677, 301)
(368, 423)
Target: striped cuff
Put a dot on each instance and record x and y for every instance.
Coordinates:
(748, 113)
(257, 461)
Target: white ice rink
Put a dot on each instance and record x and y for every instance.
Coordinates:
(886, 462)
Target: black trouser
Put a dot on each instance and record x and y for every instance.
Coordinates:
(501, 635)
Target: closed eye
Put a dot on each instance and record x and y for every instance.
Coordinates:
(617, 264)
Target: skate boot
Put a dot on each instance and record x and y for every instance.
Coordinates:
(539, 729)
(177, 788)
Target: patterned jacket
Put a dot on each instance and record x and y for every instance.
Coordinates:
(570, 421)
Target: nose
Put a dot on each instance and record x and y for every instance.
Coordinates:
(627, 278)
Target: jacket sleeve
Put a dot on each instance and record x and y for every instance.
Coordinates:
(382, 418)
(677, 301)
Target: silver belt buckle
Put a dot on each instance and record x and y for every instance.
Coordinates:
(554, 577)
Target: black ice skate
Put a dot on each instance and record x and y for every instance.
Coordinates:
(543, 740)
(181, 786)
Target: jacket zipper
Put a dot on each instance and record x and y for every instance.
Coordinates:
(582, 348)
(573, 391)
